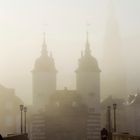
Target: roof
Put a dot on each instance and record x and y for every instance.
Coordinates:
(88, 63)
(44, 63)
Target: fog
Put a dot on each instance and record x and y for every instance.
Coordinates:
(22, 26)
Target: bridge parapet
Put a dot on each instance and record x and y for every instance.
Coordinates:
(16, 137)
(117, 136)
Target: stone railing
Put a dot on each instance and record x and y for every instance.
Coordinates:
(124, 137)
(16, 137)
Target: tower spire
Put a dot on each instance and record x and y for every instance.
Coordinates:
(87, 36)
(87, 49)
(113, 70)
(44, 45)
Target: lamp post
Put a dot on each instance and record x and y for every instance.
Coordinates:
(114, 109)
(109, 122)
(21, 109)
(25, 110)
(109, 118)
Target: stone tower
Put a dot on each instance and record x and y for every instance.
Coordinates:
(43, 77)
(88, 78)
(88, 85)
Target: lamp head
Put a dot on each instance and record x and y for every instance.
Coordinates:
(21, 107)
(25, 109)
(114, 105)
(108, 107)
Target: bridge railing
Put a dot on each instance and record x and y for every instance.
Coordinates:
(16, 137)
(116, 136)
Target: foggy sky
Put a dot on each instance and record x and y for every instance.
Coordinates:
(21, 35)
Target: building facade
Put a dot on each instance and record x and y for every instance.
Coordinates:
(69, 114)
(127, 114)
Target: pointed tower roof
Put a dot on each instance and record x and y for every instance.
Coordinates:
(87, 48)
(113, 69)
(87, 63)
(112, 42)
(44, 63)
(44, 45)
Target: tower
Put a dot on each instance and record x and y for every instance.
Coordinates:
(88, 78)
(113, 71)
(88, 85)
(43, 77)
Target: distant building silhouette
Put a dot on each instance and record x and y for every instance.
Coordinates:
(68, 114)
(133, 113)
(113, 77)
(9, 111)
(127, 114)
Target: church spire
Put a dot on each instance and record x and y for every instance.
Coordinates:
(113, 70)
(44, 45)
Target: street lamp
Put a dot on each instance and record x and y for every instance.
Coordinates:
(114, 109)
(21, 109)
(109, 118)
(109, 123)
(25, 110)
